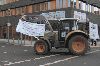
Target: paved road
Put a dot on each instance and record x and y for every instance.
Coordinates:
(14, 55)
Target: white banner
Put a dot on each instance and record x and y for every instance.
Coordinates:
(80, 16)
(54, 15)
(93, 31)
(31, 29)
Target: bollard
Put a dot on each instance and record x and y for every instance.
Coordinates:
(13, 41)
(21, 36)
(31, 40)
(18, 41)
(24, 39)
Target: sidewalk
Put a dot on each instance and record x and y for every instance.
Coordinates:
(18, 42)
(98, 44)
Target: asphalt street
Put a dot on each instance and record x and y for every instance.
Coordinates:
(16, 55)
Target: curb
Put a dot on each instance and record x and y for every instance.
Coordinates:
(94, 46)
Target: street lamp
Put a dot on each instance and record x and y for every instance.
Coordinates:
(8, 25)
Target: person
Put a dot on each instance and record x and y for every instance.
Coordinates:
(94, 42)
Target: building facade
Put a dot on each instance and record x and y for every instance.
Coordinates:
(11, 10)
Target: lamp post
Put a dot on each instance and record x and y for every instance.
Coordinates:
(8, 25)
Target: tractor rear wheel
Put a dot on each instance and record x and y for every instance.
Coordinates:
(78, 45)
(41, 47)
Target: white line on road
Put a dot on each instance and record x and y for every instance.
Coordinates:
(3, 46)
(4, 52)
(4, 61)
(67, 59)
(46, 57)
(10, 63)
(25, 50)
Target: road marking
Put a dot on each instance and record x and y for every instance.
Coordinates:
(21, 61)
(28, 60)
(58, 61)
(17, 62)
(46, 57)
(4, 52)
(25, 50)
(10, 63)
(4, 61)
(3, 46)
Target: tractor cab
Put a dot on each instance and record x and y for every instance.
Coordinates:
(68, 25)
(64, 26)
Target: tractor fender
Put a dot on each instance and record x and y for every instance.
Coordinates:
(48, 42)
(73, 33)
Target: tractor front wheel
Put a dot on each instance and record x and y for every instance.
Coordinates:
(41, 47)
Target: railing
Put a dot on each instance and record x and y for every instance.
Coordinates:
(14, 37)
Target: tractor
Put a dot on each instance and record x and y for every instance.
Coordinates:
(61, 33)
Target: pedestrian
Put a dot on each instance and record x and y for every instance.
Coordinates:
(94, 42)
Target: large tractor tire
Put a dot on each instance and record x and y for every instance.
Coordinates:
(41, 47)
(78, 45)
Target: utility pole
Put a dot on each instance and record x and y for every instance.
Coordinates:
(8, 25)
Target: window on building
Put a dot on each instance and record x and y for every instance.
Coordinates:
(42, 7)
(83, 6)
(7, 1)
(38, 7)
(4, 13)
(29, 8)
(96, 10)
(0, 13)
(77, 4)
(24, 10)
(16, 0)
(99, 11)
(35, 7)
(7, 12)
(61, 3)
(65, 3)
(92, 9)
(18, 11)
(13, 11)
(48, 5)
(88, 7)
(69, 3)
(57, 4)
(52, 4)
(72, 3)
